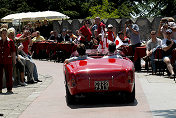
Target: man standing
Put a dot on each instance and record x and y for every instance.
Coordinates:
(46, 29)
(132, 30)
(100, 25)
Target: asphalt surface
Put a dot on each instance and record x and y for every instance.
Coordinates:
(155, 97)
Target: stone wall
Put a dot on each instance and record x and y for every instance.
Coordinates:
(145, 25)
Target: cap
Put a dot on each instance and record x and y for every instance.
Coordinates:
(169, 31)
(64, 30)
(99, 35)
(110, 26)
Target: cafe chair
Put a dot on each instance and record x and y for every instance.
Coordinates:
(147, 63)
(160, 66)
(60, 56)
(127, 50)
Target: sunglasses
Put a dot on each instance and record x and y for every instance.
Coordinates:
(169, 33)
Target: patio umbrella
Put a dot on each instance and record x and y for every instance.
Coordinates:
(33, 16)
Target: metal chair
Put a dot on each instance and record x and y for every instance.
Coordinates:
(158, 61)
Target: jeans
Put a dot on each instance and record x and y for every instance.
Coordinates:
(152, 57)
(35, 73)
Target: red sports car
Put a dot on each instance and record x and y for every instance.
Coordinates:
(99, 75)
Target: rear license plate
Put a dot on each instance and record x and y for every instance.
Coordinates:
(101, 85)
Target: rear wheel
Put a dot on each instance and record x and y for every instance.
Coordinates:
(131, 96)
(69, 98)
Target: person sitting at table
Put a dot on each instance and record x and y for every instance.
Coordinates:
(112, 53)
(72, 37)
(151, 47)
(38, 37)
(63, 36)
(54, 37)
(168, 45)
(81, 49)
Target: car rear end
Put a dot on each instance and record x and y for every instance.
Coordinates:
(102, 78)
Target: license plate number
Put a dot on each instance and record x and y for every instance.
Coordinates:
(101, 85)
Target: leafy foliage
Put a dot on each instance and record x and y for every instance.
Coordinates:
(79, 9)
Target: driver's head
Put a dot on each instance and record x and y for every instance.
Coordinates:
(112, 47)
(81, 49)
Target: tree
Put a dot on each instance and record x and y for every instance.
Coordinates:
(108, 10)
(104, 11)
(149, 8)
(80, 9)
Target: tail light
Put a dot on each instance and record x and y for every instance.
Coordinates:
(130, 77)
(73, 81)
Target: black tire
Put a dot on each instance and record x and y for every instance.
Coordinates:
(70, 99)
(131, 96)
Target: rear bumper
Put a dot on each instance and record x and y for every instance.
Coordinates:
(126, 88)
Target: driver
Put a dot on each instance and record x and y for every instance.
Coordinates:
(112, 51)
(81, 49)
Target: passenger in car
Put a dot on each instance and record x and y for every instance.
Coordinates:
(112, 51)
(81, 49)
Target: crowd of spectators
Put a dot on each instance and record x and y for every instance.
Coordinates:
(16, 47)
(167, 43)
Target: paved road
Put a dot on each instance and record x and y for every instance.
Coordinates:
(155, 97)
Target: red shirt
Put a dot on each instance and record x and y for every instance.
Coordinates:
(100, 26)
(111, 36)
(25, 44)
(6, 50)
(86, 33)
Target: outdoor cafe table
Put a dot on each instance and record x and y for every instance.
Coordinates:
(139, 53)
(68, 48)
(127, 50)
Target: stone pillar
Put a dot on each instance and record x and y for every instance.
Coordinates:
(155, 24)
(65, 25)
(144, 28)
(122, 24)
(75, 25)
(56, 26)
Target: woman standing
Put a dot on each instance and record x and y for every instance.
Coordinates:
(7, 54)
(85, 34)
(19, 64)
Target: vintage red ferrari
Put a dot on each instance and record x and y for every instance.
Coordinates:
(99, 75)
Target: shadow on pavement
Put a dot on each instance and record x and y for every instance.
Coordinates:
(100, 102)
(171, 113)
